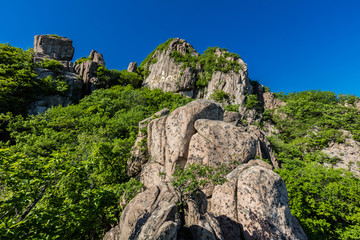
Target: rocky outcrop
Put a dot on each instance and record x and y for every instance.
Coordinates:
(97, 57)
(132, 67)
(152, 214)
(81, 78)
(347, 153)
(218, 142)
(235, 84)
(168, 75)
(169, 136)
(53, 47)
(253, 204)
(270, 102)
(139, 152)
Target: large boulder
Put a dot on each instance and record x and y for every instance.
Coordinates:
(169, 136)
(253, 204)
(53, 47)
(152, 214)
(168, 75)
(218, 142)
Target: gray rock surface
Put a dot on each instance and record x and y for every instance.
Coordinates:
(167, 75)
(97, 57)
(53, 47)
(152, 214)
(132, 67)
(139, 151)
(348, 153)
(218, 142)
(253, 204)
(169, 136)
(270, 102)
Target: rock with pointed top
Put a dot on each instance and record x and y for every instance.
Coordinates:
(132, 67)
(97, 57)
(168, 75)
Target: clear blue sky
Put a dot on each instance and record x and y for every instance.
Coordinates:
(290, 45)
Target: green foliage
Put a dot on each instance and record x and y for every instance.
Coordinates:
(266, 89)
(54, 36)
(219, 95)
(208, 63)
(252, 101)
(63, 173)
(51, 64)
(17, 85)
(325, 200)
(82, 59)
(232, 108)
(190, 180)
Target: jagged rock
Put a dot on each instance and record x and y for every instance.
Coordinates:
(232, 117)
(202, 224)
(218, 142)
(139, 150)
(53, 47)
(152, 214)
(167, 75)
(97, 57)
(169, 136)
(348, 153)
(235, 84)
(87, 71)
(270, 102)
(253, 204)
(132, 67)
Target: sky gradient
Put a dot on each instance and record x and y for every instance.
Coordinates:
(288, 45)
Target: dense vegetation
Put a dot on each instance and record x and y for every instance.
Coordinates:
(18, 83)
(63, 172)
(325, 200)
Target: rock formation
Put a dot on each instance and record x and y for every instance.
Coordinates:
(132, 67)
(53, 47)
(81, 79)
(172, 76)
(252, 204)
(168, 75)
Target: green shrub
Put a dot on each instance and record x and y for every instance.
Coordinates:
(252, 101)
(219, 95)
(232, 108)
(51, 64)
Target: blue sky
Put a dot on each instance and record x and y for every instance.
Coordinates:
(288, 45)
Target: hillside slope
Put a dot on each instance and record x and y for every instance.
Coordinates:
(185, 146)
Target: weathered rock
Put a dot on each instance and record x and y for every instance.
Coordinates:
(97, 57)
(152, 214)
(169, 136)
(348, 153)
(166, 74)
(139, 151)
(218, 142)
(270, 102)
(253, 204)
(202, 224)
(87, 71)
(53, 47)
(232, 117)
(132, 67)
